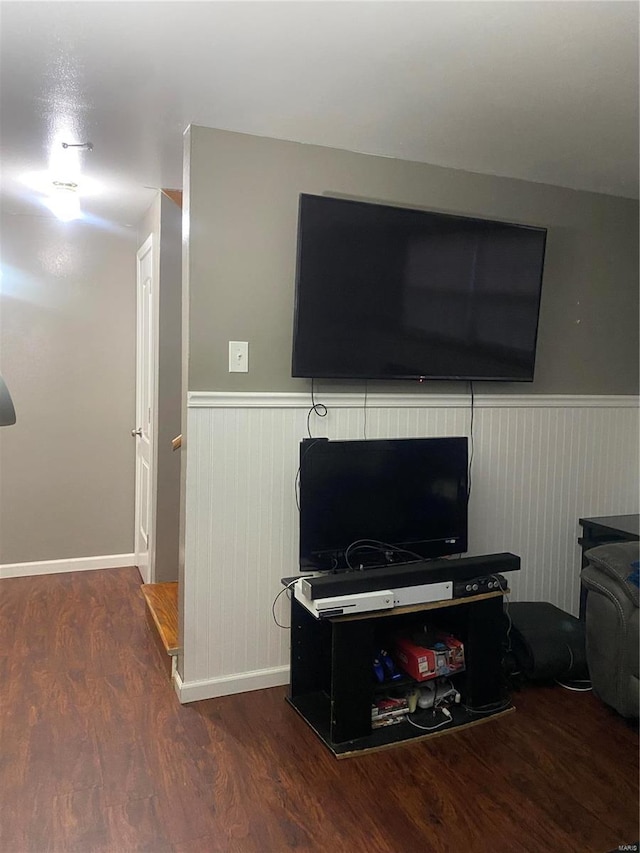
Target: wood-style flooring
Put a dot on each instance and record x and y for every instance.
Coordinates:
(97, 754)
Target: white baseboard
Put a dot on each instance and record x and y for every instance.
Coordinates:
(75, 564)
(226, 685)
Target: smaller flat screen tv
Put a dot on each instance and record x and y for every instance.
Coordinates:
(379, 502)
(395, 293)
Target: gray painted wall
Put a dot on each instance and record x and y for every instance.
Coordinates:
(243, 196)
(164, 221)
(67, 352)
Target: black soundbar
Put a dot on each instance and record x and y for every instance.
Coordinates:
(409, 574)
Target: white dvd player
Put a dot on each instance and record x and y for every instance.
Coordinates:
(366, 602)
(342, 605)
(423, 593)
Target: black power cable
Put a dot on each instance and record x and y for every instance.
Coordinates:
(318, 409)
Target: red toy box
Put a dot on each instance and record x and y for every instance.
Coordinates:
(444, 657)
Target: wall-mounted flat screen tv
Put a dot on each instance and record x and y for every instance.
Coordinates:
(386, 292)
(376, 502)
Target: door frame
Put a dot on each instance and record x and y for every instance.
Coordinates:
(147, 571)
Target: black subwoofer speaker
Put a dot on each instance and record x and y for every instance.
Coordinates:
(546, 642)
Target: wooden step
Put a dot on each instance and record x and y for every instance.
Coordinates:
(162, 614)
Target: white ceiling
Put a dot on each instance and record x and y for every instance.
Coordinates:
(545, 91)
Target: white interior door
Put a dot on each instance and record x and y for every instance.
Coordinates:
(143, 432)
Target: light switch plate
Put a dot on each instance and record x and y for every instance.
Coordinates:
(238, 356)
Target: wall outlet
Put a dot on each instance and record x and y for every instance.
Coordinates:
(238, 356)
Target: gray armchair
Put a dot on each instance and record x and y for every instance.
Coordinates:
(612, 624)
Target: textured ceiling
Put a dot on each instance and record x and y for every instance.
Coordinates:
(544, 91)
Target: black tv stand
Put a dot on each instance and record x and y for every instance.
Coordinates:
(331, 670)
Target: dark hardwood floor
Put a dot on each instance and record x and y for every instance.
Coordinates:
(96, 754)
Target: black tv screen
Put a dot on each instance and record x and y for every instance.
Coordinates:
(375, 502)
(394, 293)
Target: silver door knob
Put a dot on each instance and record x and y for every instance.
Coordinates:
(135, 432)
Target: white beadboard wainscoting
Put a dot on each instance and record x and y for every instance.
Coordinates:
(539, 464)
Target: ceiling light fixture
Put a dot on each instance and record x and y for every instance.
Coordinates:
(63, 201)
(62, 185)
